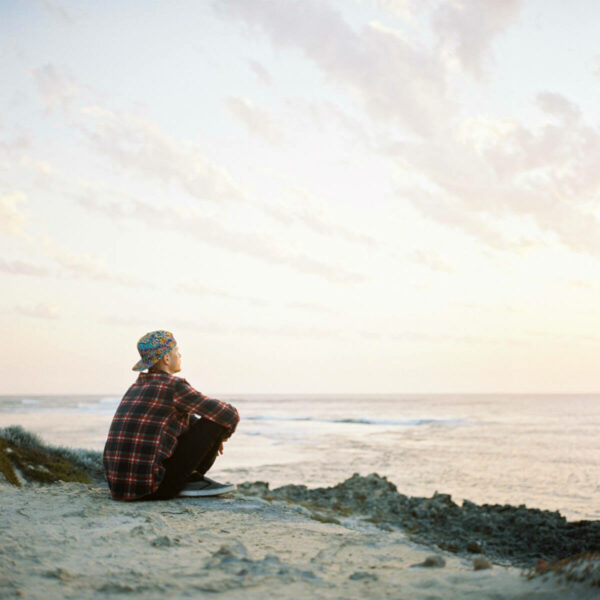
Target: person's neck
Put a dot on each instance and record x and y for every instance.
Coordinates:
(161, 370)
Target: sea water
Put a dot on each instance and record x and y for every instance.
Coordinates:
(537, 450)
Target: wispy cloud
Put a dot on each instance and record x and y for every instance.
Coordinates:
(56, 10)
(468, 28)
(57, 89)
(398, 79)
(304, 209)
(152, 322)
(400, 8)
(481, 176)
(313, 307)
(137, 143)
(39, 311)
(327, 116)
(87, 266)
(199, 288)
(437, 338)
(432, 260)
(12, 218)
(12, 145)
(209, 230)
(488, 173)
(586, 285)
(20, 267)
(256, 120)
(558, 105)
(259, 70)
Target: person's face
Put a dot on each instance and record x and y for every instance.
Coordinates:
(173, 360)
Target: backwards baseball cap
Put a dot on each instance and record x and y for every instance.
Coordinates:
(152, 347)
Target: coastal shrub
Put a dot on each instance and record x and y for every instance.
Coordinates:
(39, 462)
(6, 467)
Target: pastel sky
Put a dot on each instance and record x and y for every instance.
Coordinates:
(312, 195)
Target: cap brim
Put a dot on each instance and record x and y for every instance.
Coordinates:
(140, 365)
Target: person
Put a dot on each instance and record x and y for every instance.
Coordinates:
(165, 435)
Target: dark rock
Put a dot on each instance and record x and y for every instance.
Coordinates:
(363, 576)
(511, 534)
(434, 561)
(481, 563)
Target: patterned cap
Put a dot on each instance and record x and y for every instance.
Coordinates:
(152, 347)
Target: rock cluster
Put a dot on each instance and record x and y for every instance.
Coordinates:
(517, 535)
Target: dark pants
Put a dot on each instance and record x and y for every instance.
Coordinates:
(196, 451)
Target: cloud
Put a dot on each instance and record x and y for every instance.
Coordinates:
(262, 74)
(214, 328)
(87, 266)
(12, 219)
(400, 8)
(291, 331)
(432, 260)
(491, 177)
(451, 338)
(468, 27)
(39, 311)
(200, 289)
(558, 105)
(56, 10)
(208, 230)
(313, 307)
(397, 79)
(58, 90)
(150, 323)
(11, 148)
(19, 267)
(454, 213)
(305, 210)
(580, 283)
(255, 119)
(137, 143)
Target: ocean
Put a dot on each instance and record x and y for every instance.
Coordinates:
(537, 450)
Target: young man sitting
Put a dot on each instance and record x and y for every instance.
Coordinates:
(165, 435)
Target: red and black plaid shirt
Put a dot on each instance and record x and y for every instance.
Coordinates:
(153, 413)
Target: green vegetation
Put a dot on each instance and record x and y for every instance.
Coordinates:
(24, 453)
(325, 518)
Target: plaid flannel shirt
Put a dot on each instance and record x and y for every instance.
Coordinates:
(153, 413)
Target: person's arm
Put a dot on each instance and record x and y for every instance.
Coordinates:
(189, 400)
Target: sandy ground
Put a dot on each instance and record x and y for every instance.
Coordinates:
(72, 541)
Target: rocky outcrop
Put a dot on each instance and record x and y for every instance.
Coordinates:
(508, 534)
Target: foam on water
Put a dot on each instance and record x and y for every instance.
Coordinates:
(534, 450)
(362, 421)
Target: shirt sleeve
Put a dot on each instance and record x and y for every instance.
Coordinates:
(189, 400)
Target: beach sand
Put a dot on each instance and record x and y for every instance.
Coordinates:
(70, 540)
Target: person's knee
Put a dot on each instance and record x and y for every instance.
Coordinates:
(207, 428)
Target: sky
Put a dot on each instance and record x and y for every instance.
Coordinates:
(314, 196)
